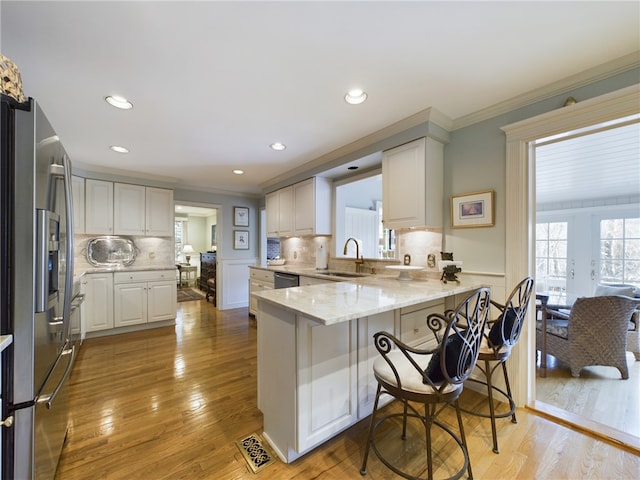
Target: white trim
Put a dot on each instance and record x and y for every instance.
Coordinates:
(520, 203)
(233, 281)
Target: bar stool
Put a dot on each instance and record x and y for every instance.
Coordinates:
(433, 377)
(499, 338)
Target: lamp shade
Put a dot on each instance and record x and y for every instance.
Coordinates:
(188, 249)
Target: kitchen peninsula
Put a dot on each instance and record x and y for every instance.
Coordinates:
(315, 351)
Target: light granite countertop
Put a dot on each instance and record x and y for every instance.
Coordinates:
(124, 269)
(342, 301)
(311, 271)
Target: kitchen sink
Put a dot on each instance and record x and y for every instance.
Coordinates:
(345, 274)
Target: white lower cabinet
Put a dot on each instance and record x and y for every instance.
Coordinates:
(314, 380)
(97, 308)
(327, 377)
(259, 280)
(367, 353)
(413, 324)
(130, 304)
(161, 301)
(143, 297)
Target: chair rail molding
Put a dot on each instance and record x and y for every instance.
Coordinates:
(520, 203)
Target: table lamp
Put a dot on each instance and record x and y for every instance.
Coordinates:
(188, 250)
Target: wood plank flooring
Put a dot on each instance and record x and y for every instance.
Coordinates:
(169, 403)
(598, 395)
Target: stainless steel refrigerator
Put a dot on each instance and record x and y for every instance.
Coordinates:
(37, 287)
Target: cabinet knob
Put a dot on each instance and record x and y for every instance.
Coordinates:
(7, 422)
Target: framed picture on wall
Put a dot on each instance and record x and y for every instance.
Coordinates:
(241, 216)
(472, 210)
(240, 239)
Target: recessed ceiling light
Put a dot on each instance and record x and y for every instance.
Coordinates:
(355, 96)
(119, 149)
(237, 171)
(278, 146)
(119, 102)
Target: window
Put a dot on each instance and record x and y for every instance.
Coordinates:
(180, 228)
(551, 256)
(358, 214)
(620, 250)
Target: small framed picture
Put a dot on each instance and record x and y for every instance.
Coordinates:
(472, 210)
(240, 239)
(241, 216)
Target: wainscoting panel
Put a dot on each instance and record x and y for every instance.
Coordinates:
(235, 282)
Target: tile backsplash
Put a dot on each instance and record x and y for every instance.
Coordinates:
(416, 243)
(153, 252)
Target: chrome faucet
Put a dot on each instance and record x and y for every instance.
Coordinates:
(359, 260)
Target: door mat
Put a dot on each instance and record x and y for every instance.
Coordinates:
(189, 294)
(255, 453)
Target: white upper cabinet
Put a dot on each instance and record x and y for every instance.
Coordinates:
(128, 209)
(159, 212)
(300, 209)
(98, 207)
(412, 190)
(312, 207)
(140, 210)
(77, 189)
(279, 206)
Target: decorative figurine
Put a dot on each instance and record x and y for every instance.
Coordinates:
(449, 274)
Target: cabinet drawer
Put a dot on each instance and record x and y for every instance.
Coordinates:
(261, 275)
(144, 276)
(413, 323)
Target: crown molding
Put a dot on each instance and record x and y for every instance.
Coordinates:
(325, 161)
(566, 85)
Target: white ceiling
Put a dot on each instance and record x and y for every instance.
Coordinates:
(215, 83)
(597, 164)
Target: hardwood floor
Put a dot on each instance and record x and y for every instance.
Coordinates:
(599, 398)
(169, 403)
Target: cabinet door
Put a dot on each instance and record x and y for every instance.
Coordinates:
(271, 206)
(367, 353)
(403, 176)
(312, 207)
(413, 324)
(304, 208)
(77, 189)
(129, 209)
(159, 212)
(256, 286)
(161, 301)
(98, 302)
(130, 304)
(98, 207)
(285, 211)
(327, 375)
(412, 184)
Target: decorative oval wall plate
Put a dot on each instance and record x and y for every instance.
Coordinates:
(111, 252)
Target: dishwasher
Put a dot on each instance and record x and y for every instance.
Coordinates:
(285, 280)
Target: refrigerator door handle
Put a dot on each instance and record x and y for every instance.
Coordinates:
(64, 173)
(50, 398)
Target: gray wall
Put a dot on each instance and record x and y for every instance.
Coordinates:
(225, 225)
(475, 160)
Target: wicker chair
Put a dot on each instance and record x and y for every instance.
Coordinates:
(594, 333)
